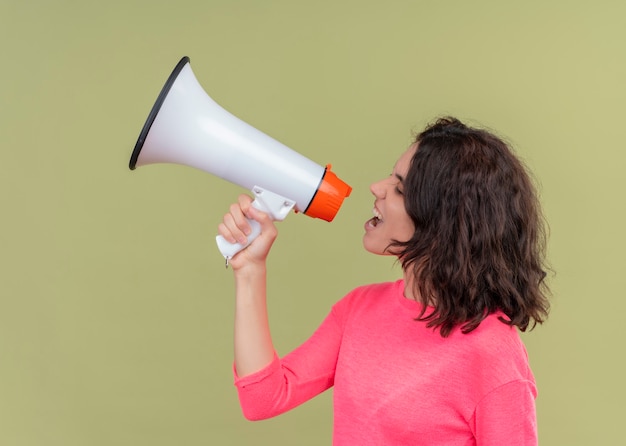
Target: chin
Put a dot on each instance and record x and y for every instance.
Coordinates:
(375, 249)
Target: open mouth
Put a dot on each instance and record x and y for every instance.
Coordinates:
(378, 218)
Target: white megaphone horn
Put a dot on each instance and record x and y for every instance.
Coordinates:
(186, 126)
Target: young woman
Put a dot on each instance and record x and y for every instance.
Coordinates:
(434, 358)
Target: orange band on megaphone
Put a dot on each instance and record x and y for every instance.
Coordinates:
(328, 197)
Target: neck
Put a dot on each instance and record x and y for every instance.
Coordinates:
(410, 290)
(409, 285)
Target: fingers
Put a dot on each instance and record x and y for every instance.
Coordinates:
(235, 227)
(240, 222)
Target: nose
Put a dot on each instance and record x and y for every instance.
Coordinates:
(378, 189)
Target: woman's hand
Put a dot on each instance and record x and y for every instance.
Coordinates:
(235, 228)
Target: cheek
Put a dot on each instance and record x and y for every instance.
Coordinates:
(402, 223)
(408, 228)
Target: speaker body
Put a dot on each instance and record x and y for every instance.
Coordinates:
(186, 126)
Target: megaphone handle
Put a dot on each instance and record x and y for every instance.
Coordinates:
(229, 250)
(266, 201)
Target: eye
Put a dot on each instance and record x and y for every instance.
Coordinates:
(399, 186)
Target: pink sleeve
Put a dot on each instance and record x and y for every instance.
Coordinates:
(288, 382)
(507, 416)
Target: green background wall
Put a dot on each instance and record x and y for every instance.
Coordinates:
(115, 308)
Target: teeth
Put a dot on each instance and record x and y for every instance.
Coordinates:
(377, 214)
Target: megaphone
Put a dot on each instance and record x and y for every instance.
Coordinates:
(186, 126)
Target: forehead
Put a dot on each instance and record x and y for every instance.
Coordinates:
(404, 162)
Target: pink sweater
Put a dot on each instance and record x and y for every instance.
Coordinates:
(397, 382)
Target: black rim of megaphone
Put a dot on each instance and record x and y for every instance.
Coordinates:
(155, 111)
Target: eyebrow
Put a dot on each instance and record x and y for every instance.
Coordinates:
(399, 177)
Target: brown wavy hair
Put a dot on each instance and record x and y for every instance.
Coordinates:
(479, 241)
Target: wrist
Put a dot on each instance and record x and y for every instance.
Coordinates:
(250, 285)
(250, 272)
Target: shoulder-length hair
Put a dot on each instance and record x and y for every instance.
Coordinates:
(479, 240)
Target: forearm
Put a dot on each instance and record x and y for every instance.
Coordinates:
(254, 349)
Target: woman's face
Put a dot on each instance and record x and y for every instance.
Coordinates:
(390, 221)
